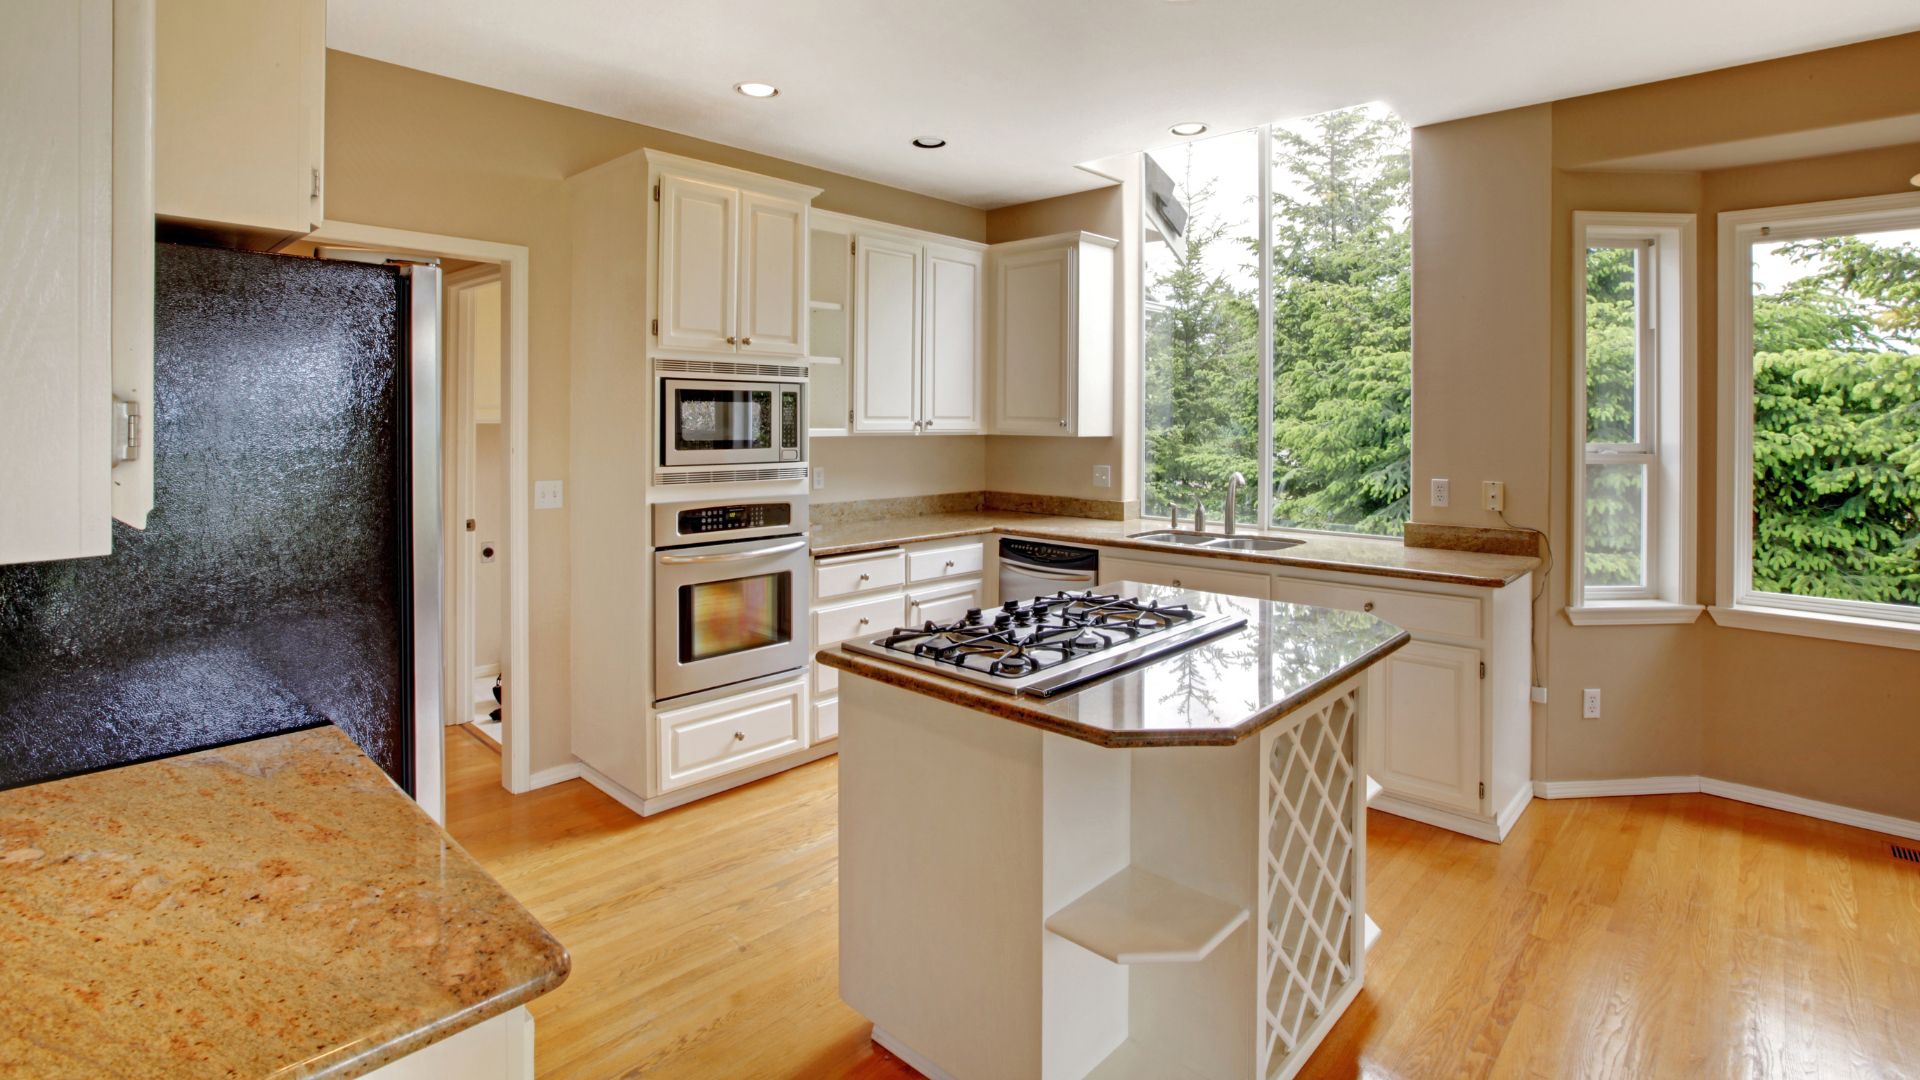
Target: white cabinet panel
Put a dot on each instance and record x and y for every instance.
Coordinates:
(846, 575)
(946, 606)
(946, 563)
(886, 334)
(702, 741)
(773, 300)
(1421, 613)
(1032, 317)
(698, 234)
(1184, 576)
(826, 720)
(1426, 738)
(860, 618)
(826, 681)
(952, 340)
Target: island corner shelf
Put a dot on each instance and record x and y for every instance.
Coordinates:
(1140, 917)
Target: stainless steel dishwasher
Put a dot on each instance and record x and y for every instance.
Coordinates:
(1030, 568)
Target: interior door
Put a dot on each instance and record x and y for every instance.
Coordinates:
(886, 334)
(773, 280)
(951, 340)
(1034, 327)
(698, 224)
(1426, 740)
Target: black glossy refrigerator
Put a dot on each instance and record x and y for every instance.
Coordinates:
(288, 575)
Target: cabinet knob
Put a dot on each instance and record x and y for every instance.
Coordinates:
(1176, 583)
(739, 736)
(866, 577)
(746, 341)
(929, 423)
(1368, 606)
(1063, 421)
(949, 564)
(731, 341)
(864, 620)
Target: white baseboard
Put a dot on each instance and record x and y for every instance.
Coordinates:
(1509, 815)
(557, 774)
(1464, 824)
(1775, 800)
(906, 1053)
(648, 805)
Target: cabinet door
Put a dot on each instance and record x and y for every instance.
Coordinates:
(944, 607)
(239, 114)
(1188, 575)
(773, 275)
(1034, 343)
(1426, 729)
(56, 244)
(703, 741)
(952, 339)
(698, 223)
(886, 334)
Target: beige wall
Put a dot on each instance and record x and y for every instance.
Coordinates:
(885, 467)
(415, 151)
(1824, 720)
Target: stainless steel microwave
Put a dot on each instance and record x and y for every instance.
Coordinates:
(731, 422)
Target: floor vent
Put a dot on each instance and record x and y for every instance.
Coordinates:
(1903, 852)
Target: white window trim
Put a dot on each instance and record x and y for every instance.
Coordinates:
(1738, 605)
(1665, 441)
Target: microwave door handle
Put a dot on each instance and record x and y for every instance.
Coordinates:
(738, 556)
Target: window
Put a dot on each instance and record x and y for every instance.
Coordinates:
(1820, 420)
(1278, 323)
(1632, 406)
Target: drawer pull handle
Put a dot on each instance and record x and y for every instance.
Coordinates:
(1368, 606)
(739, 736)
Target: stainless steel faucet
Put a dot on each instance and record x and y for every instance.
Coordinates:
(1234, 484)
(1199, 516)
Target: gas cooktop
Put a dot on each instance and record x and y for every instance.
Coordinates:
(1052, 644)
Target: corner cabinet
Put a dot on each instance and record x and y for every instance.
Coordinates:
(918, 321)
(76, 301)
(240, 118)
(1053, 336)
(733, 260)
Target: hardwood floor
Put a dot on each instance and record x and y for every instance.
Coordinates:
(1665, 936)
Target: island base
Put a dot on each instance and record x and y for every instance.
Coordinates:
(1019, 903)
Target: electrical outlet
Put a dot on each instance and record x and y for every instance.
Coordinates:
(1590, 704)
(819, 478)
(1494, 496)
(1103, 476)
(549, 494)
(1538, 694)
(1437, 492)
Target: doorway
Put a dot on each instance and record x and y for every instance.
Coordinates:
(477, 470)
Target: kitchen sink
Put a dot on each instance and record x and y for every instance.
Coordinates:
(1252, 543)
(1176, 536)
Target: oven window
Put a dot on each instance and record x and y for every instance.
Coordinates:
(718, 419)
(721, 617)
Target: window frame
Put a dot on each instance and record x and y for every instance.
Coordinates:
(1738, 603)
(1663, 443)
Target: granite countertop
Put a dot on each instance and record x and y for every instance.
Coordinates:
(275, 908)
(1213, 694)
(1319, 551)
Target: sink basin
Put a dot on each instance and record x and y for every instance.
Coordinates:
(1176, 536)
(1252, 543)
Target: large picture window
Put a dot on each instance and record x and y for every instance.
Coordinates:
(1278, 313)
(1821, 413)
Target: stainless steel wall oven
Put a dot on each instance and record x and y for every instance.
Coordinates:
(731, 593)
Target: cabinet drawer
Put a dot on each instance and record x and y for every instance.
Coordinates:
(1184, 575)
(944, 606)
(935, 564)
(1418, 613)
(716, 737)
(826, 681)
(851, 574)
(826, 720)
(857, 619)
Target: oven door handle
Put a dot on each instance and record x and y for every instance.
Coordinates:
(738, 556)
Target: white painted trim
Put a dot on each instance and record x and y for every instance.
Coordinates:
(1818, 624)
(648, 806)
(1726, 789)
(661, 161)
(486, 671)
(1633, 613)
(920, 1064)
(557, 775)
(1509, 815)
(514, 261)
(1463, 824)
(836, 222)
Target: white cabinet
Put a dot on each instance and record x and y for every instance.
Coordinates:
(1426, 737)
(240, 117)
(918, 332)
(946, 604)
(703, 741)
(1053, 354)
(732, 251)
(76, 273)
(1193, 574)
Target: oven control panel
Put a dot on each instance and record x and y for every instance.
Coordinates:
(717, 519)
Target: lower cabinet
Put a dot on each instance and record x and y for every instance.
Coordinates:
(702, 741)
(1426, 743)
(1188, 574)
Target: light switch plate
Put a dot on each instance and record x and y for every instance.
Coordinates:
(549, 494)
(1438, 491)
(819, 478)
(1494, 496)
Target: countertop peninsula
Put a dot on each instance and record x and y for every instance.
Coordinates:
(275, 908)
(1377, 556)
(1215, 693)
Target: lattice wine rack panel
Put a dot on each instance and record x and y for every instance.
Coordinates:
(1310, 942)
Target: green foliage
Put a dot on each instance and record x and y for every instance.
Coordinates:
(1614, 492)
(1342, 319)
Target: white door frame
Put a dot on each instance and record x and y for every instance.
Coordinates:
(430, 731)
(461, 386)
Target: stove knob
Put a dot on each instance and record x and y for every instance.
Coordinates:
(973, 615)
(1011, 605)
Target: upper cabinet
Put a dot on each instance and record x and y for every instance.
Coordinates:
(76, 291)
(732, 252)
(953, 338)
(886, 334)
(1053, 335)
(239, 127)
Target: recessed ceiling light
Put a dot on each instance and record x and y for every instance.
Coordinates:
(1189, 129)
(928, 142)
(757, 89)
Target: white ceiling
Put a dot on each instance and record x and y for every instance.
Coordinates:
(1023, 90)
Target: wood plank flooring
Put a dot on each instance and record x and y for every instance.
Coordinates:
(1665, 936)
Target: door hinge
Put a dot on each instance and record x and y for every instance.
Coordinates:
(849, 416)
(315, 193)
(472, 525)
(853, 247)
(656, 328)
(656, 192)
(126, 430)
(1483, 669)
(1483, 789)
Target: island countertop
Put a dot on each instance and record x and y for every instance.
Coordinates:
(1215, 693)
(1373, 555)
(275, 908)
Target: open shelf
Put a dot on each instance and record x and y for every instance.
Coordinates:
(1138, 917)
(1131, 1061)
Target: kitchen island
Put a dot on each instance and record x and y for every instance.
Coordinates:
(1157, 874)
(274, 908)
